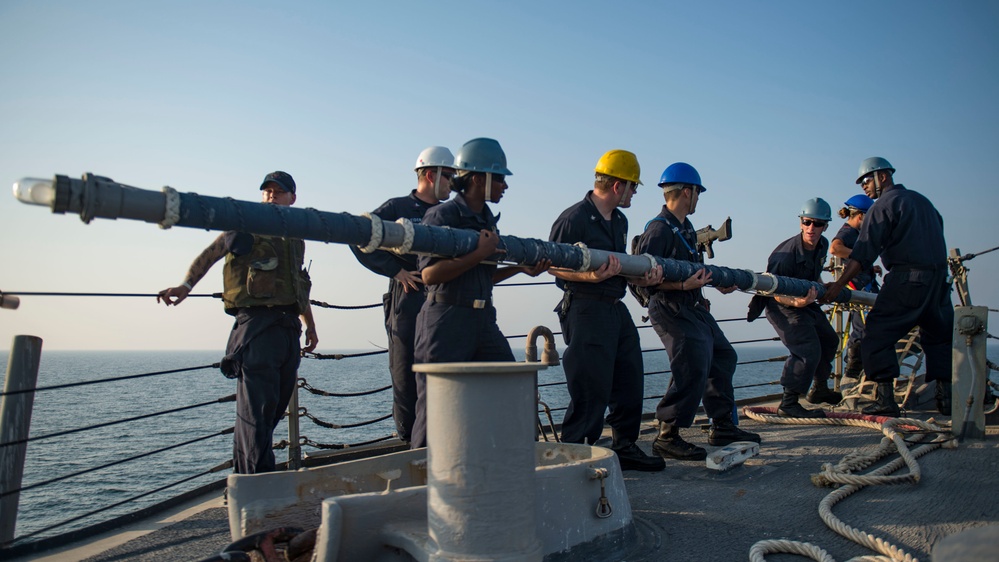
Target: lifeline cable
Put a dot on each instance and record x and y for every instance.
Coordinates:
(113, 379)
(230, 398)
(228, 431)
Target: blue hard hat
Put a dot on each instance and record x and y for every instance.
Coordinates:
(860, 202)
(873, 164)
(681, 172)
(482, 155)
(816, 209)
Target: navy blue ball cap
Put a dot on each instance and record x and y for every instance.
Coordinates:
(283, 179)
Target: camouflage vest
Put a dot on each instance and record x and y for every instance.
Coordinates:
(270, 275)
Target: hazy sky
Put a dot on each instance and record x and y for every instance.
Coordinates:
(773, 102)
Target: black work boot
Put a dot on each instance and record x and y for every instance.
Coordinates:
(632, 457)
(790, 407)
(943, 395)
(884, 404)
(669, 444)
(853, 364)
(821, 392)
(724, 431)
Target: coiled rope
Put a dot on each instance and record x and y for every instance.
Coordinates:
(841, 473)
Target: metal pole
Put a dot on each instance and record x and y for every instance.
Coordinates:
(960, 274)
(294, 447)
(15, 421)
(838, 325)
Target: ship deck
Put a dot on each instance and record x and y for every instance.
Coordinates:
(688, 512)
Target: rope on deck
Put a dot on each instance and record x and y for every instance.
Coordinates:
(841, 473)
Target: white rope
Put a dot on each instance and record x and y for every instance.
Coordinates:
(752, 275)
(586, 257)
(652, 261)
(793, 547)
(840, 474)
(171, 214)
(773, 289)
(408, 235)
(376, 233)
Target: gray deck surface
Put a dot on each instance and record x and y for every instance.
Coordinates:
(690, 513)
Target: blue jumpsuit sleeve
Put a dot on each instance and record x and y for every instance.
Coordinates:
(381, 262)
(779, 261)
(872, 234)
(434, 217)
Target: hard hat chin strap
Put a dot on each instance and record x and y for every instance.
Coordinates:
(437, 185)
(627, 187)
(489, 186)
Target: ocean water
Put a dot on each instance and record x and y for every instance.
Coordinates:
(67, 409)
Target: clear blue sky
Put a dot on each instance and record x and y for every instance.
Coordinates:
(773, 102)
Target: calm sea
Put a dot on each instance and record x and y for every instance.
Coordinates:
(68, 409)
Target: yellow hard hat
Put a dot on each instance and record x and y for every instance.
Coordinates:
(620, 164)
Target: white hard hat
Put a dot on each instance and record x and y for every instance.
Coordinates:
(435, 156)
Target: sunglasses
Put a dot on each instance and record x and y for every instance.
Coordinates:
(866, 180)
(810, 222)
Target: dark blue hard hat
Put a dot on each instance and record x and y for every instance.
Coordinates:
(860, 202)
(681, 173)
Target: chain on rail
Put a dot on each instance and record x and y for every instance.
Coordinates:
(304, 413)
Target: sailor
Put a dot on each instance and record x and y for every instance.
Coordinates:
(406, 292)
(905, 229)
(266, 288)
(603, 361)
(842, 244)
(799, 321)
(701, 358)
(458, 322)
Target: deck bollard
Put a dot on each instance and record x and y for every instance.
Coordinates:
(15, 421)
(481, 420)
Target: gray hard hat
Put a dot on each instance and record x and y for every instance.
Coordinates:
(816, 209)
(482, 155)
(873, 164)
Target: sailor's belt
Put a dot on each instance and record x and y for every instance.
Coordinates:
(458, 301)
(932, 267)
(595, 297)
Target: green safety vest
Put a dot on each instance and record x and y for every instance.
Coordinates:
(270, 275)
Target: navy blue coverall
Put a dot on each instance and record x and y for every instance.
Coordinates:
(863, 281)
(603, 361)
(806, 332)
(700, 356)
(458, 321)
(905, 229)
(401, 309)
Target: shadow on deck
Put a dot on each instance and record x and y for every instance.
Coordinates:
(687, 512)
